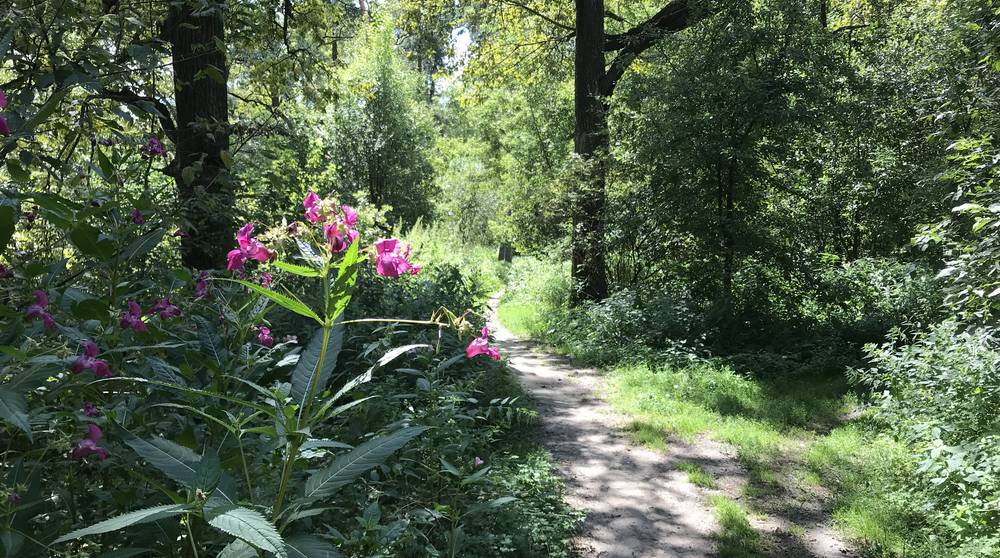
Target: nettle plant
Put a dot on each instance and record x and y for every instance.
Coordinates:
(183, 409)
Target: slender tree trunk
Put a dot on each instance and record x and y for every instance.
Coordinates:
(591, 144)
(197, 38)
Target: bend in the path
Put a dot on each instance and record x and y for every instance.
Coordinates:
(638, 502)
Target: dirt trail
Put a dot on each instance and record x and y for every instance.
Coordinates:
(639, 504)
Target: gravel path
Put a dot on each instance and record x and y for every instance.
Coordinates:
(639, 504)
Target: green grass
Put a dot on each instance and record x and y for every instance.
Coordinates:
(698, 476)
(736, 537)
(521, 319)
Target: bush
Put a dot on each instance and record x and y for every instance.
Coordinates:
(940, 391)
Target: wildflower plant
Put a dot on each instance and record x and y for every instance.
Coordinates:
(218, 432)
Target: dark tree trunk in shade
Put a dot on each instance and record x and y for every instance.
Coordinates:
(595, 81)
(205, 191)
(591, 144)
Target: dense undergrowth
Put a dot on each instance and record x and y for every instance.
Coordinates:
(803, 430)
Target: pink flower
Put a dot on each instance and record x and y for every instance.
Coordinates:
(201, 285)
(481, 346)
(90, 410)
(153, 148)
(182, 234)
(89, 361)
(392, 259)
(88, 445)
(477, 462)
(166, 309)
(4, 128)
(293, 228)
(350, 216)
(137, 218)
(132, 319)
(312, 203)
(249, 249)
(266, 279)
(39, 310)
(264, 336)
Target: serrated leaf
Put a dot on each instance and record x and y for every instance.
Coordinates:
(176, 461)
(14, 409)
(142, 245)
(305, 374)
(300, 270)
(209, 339)
(309, 546)
(209, 472)
(126, 520)
(282, 300)
(249, 526)
(348, 467)
(238, 549)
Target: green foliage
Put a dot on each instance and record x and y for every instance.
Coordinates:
(736, 537)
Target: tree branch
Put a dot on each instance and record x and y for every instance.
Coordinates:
(671, 18)
(131, 98)
(536, 13)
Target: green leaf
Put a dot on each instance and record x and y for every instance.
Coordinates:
(308, 366)
(348, 467)
(238, 549)
(47, 109)
(177, 462)
(280, 299)
(17, 172)
(8, 218)
(309, 546)
(347, 276)
(300, 270)
(14, 409)
(210, 341)
(249, 526)
(142, 245)
(126, 520)
(209, 472)
(88, 240)
(107, 169)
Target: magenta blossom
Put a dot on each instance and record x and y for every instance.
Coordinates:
(293, 228)
(249, 249)
(392, 259)
(137, 218)
(266, 279)
(89, 361)
(88, 445)
(477, 462)
(264, 336)
(39, 310)
(166, 309)
(153, 148)
(182, 234)
(90, 410)
(5, 272)
(4, 128)
(201, 285)
(481, 346)
(312, 203)
(132, 318)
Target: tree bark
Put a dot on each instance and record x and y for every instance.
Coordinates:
(591, 145)
(204, 188)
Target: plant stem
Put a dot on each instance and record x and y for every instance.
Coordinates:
(194, 547)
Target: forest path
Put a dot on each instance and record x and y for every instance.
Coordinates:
(639, 503)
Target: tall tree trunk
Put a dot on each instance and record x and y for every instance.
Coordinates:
(591, 144)
(197, 39)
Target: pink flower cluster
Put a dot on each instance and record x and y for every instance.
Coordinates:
(88, 446)
(137, 217)
(264, 336)
(89, 361)
(153, 148)
(4, 128)
(201, 285)
(249, 249)
(338, 228)
(165, 309)
(481, 346)
(132, 318)
(392, 259)
(39, 310)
